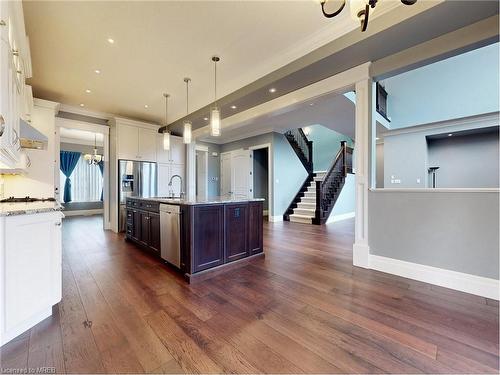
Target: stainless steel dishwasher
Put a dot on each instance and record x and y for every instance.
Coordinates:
(170, 233)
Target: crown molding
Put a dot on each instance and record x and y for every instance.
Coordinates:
(476, 121)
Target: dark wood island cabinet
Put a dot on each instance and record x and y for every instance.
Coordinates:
(214, 236)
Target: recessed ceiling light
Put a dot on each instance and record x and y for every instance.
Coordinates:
(88, 91)
(311, 104)
(450, 134)
(205, 118)
(377, 138)
(233, 107)
(82, 105)
(111, 40)
(146, 106)
(97, 71)
(272, 89)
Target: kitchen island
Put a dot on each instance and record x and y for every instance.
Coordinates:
(200, 237)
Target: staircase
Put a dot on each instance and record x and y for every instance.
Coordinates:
(315, 200)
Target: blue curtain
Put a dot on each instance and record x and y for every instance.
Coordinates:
(101, 168)
(69, 159)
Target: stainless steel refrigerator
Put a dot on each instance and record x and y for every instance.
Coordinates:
(135, 179)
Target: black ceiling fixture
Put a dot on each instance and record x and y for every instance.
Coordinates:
(360, 9)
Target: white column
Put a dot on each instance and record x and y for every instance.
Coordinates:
(191, 171)
(363, 137)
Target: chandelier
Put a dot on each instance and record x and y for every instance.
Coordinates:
(94, 158)
(360, 9)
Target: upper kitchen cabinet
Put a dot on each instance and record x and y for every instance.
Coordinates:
(176, 154)
(15, 67)
(134, 140)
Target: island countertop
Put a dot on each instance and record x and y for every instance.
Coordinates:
(197, 201)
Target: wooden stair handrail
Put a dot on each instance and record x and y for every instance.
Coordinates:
(341, 166)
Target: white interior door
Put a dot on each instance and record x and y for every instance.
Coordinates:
(225, 174)
(241, 173)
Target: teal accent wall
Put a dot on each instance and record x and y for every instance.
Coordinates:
(326, 144)
(461, 86)
(289, 174)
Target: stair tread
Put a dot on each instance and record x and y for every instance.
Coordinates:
(302, 216)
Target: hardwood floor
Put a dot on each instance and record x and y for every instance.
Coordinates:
(303, 308)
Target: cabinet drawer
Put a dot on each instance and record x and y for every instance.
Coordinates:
(150, 206)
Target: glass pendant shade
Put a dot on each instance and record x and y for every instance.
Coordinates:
(166, 141)
(187, 132)
(215, 122)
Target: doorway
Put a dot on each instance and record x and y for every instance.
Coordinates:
(82, 150)
(261, 176)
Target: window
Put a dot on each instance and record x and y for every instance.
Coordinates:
(86, 182)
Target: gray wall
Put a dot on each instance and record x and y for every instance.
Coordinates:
(248, 142)
(455, 231)
(213, 168)
(261, 175)
(80, 206)
(460, 86)
(467, 161)
(406, 156)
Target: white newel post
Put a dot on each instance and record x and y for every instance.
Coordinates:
(363, 130)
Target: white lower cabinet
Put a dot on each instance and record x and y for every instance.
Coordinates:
(30, 271)
(165, 172)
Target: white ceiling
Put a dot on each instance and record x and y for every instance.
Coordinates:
(80, 136)
(159, 43)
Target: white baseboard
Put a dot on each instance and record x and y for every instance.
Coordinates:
(275, 219)
(464, 282)
(335, 218)
(98, 211)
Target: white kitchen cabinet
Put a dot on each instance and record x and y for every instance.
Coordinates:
(165, 172)
(176, 154)
(30, 270)
(147, 144)
(14, 64)
(128, 144)
(136, 143)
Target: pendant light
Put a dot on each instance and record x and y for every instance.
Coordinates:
(215, 111)
(166, 133)
(187, 123)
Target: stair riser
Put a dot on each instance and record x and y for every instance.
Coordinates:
(306, 206)
(305, 212)
(300, 220)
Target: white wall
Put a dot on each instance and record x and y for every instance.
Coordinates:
(39, 178)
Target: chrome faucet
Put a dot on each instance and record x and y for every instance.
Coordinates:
(170, 184)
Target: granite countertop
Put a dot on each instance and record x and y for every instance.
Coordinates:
(28, 208)
(211, 200)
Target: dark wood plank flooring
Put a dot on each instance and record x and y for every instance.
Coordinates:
(302, 309)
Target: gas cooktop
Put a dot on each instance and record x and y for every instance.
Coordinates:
(26, 200)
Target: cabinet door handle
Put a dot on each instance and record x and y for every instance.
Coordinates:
(3, 23)
(58, 224)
